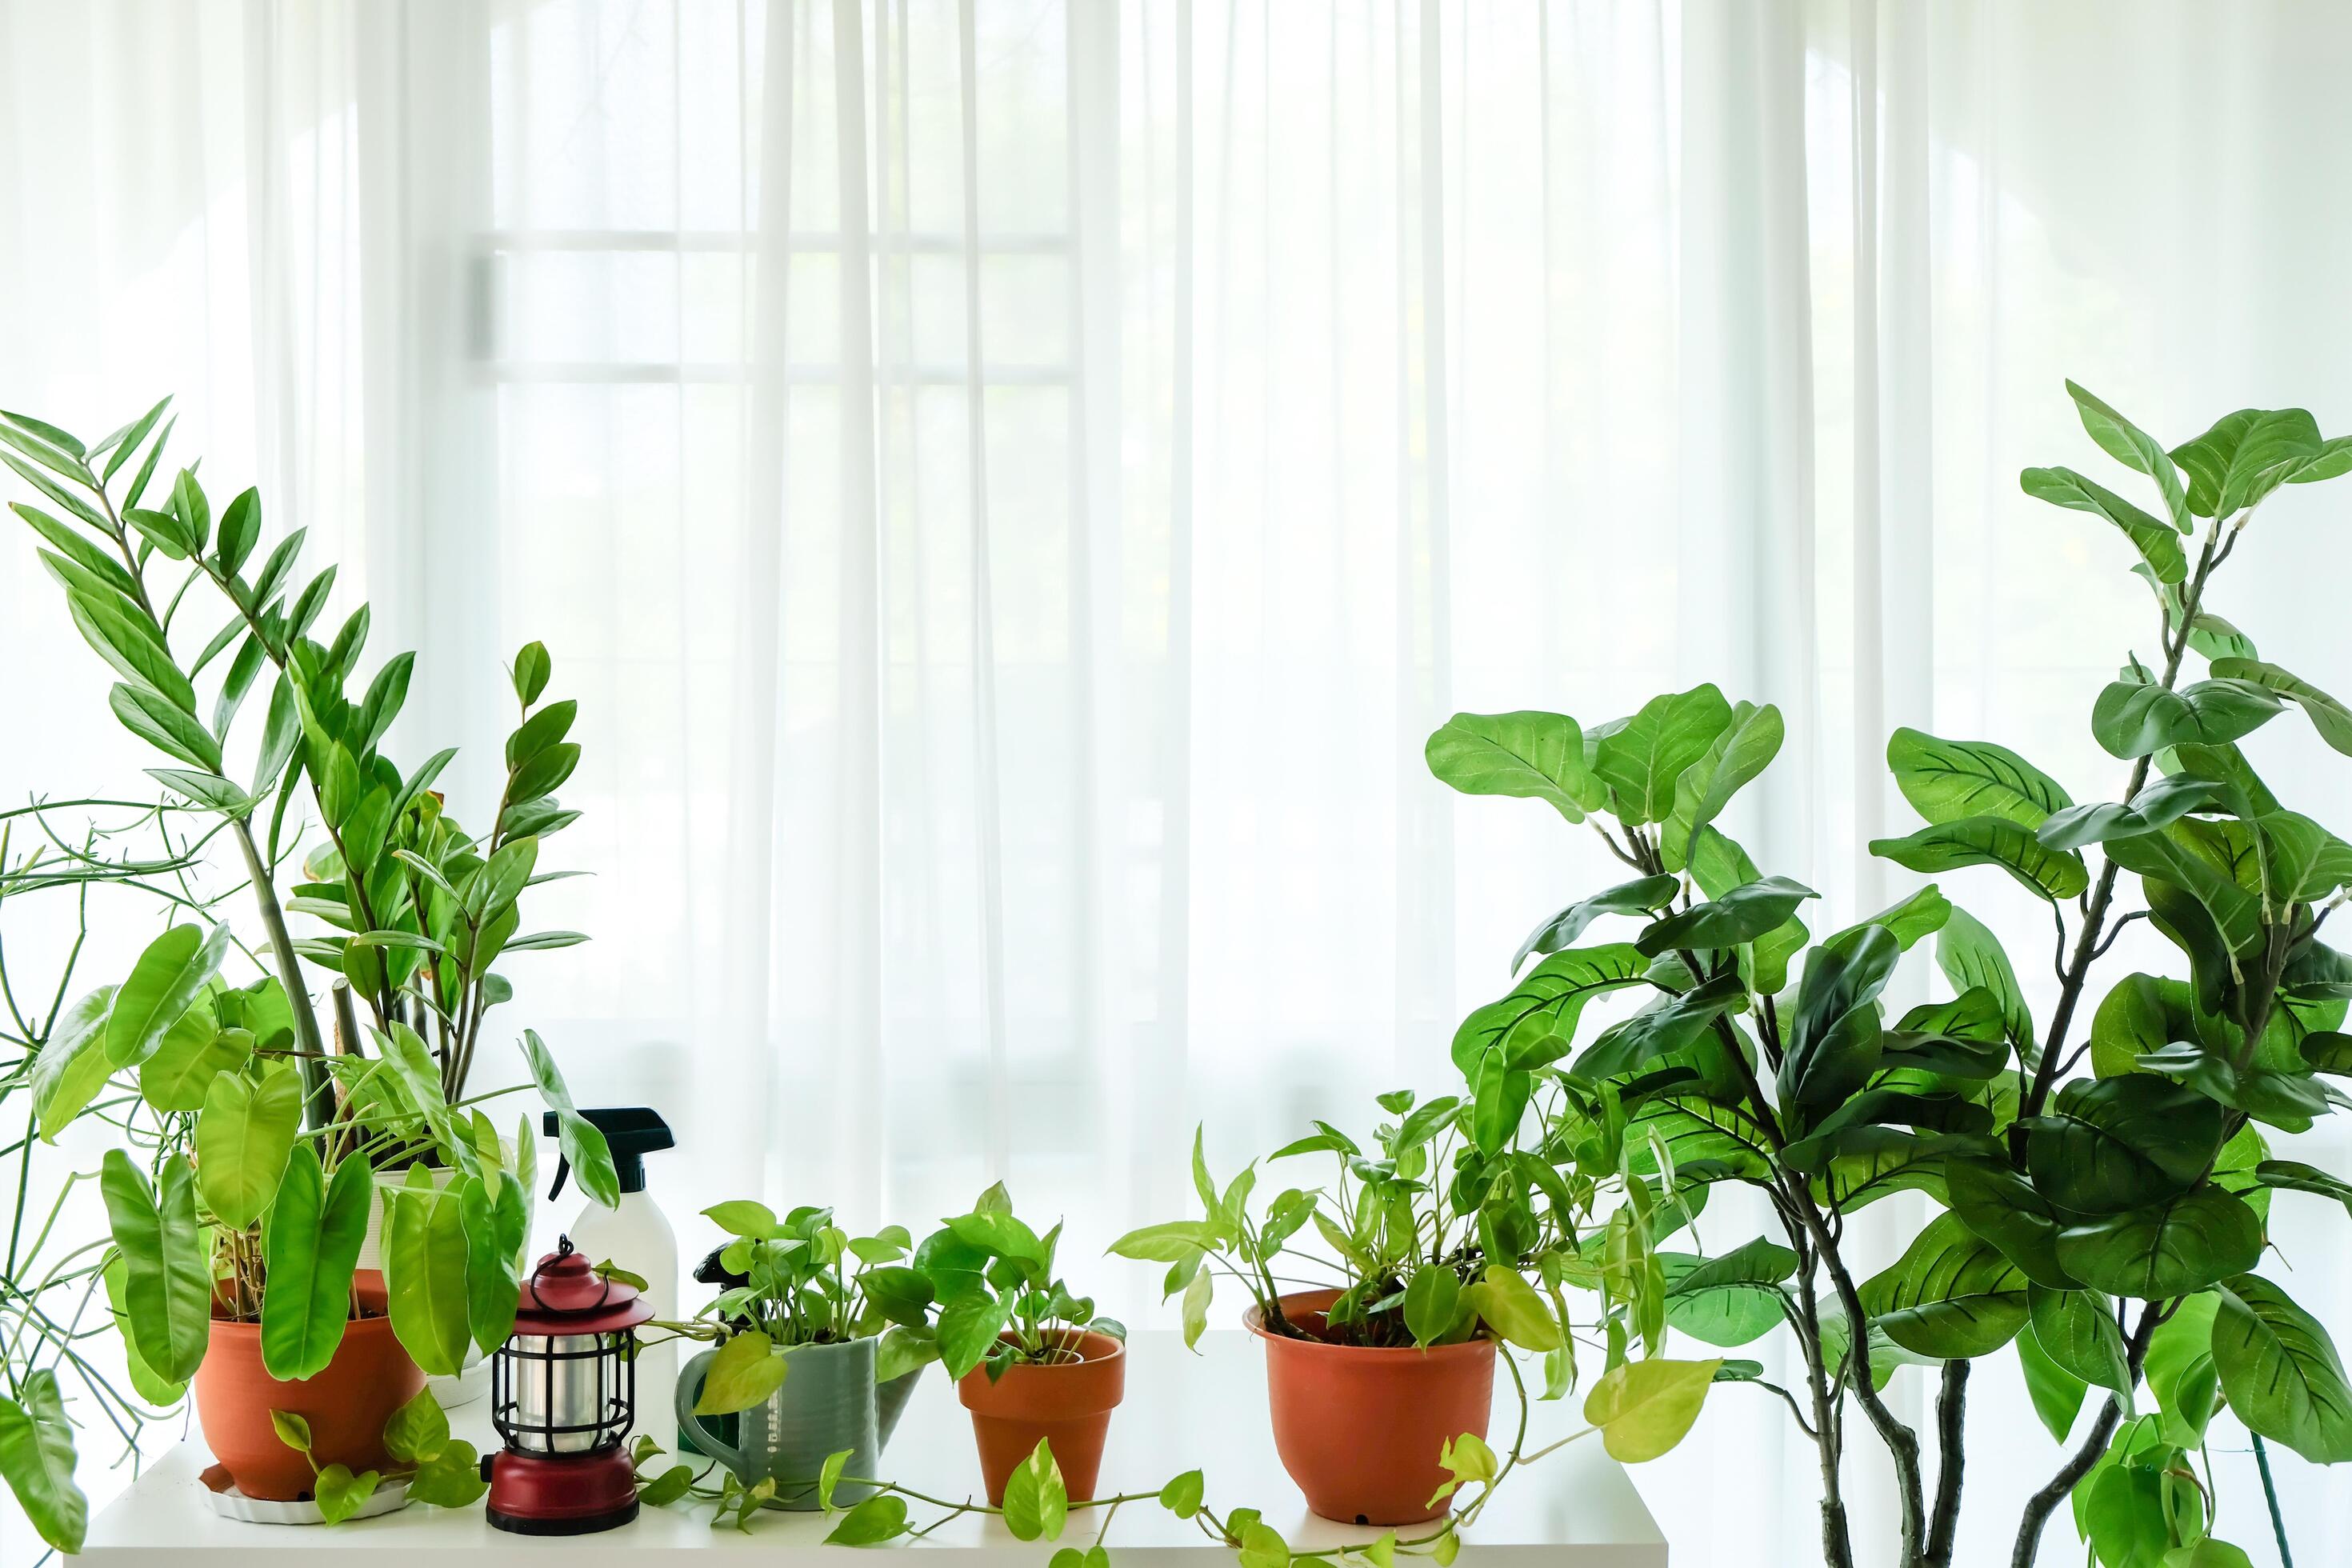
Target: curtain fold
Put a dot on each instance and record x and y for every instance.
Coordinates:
(1011, 484)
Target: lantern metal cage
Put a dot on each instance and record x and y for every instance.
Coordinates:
(536, 1380)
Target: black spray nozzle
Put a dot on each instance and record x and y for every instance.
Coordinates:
(632, 1131)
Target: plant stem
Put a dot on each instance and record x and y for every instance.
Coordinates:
(1952, 1418)
(318, 1092)
(2270, 1496)
(2042, 1504)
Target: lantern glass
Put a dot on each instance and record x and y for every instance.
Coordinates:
(564, 1393)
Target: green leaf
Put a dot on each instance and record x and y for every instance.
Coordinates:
(2135, 715)
(1641, 761)
(494, 1232)
(244, 1135)
(2112, 1145)
(1952, 780)
(2171, 1248)
(1513, 1308)
(1971, 956)
(1952, 1295)
(1833, 1038)
(2281, 1371)
(2052, 874)
(1181, 1496)
(167, 1280)
(1736, 758)
(967, 1325)
(1035, 1500)
(2157, 544)
(531, 667)
(2001, 1205)
(1503, 1092)
(163, 984)
(453, 1479)
(1740, 915)
(208, 789)
(1534, 756)
(1433, 1302)
(2124, 1517)
(37, 1460)
(1732, 1299)
(1641, 896)
(744, 1217)
(72, 1065)
(580, 1140)
(424, 1257)
(876, 1520)
(2329, 716)
(145, 1381)
(1644, 1407)
(1172, 1241)
(2135, 448)
(416, 1431)
(340, 1494)
(2159, 805)
(1262, 1546)
(123, 636)
(292, 1430)
(1547, 1000)
(2057, 1394)
(164, 727)
(312, 1246)
(747, 1369)
(1909, 920)
(2077, 1330)
(2249, 454)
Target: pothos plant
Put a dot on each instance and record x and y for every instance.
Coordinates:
(803, 1280)
(999, 1303)
(2110, 1222)
(255, 1144)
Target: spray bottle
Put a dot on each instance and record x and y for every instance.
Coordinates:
(633, 1235)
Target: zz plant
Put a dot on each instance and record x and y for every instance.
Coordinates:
(250, 1145)
(2100, 1184)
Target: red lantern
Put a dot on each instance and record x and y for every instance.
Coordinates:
(563, 1391)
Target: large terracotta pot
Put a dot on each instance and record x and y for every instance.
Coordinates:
(1068, 1403)
(346, 1405)
(1359, 1429)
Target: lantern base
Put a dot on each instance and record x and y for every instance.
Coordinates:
(562, 1494)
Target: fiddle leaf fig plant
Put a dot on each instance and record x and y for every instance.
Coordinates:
(252, 1135)
(2097, 1186)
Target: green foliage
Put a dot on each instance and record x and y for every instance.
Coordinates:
(248, 1148)
(2106, 1223)
(999, 1303)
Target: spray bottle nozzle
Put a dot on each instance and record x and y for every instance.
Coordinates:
(632, 1131)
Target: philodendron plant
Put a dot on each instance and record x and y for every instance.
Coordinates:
(2100, 1189)
(249, 1145)
(1000, 1304)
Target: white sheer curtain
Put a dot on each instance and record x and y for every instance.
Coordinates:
(1011, 483)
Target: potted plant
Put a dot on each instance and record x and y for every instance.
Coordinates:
(1451, 1237)
(817, 1348)
(237, 1246)
(1032, 1363)
(2101, 1180)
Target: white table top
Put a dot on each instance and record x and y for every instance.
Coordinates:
(1574, 1508)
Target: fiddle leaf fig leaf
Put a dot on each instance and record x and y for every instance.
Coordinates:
(1535, 756)
(2157, 544)
(2128, 444)
(1642, 761)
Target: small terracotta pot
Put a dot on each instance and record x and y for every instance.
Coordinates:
(1068, 1403)
(346, 1405)
(1359, 1427)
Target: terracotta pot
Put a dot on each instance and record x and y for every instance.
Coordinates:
(346, 1405)
(1358, 1428)
(1068, 1403)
